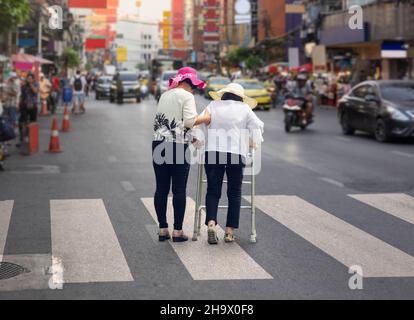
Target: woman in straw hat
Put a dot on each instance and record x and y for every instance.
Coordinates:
(176, 115)
(233, 129)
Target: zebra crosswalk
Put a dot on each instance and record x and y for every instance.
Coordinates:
(84, 242)
(339, 239)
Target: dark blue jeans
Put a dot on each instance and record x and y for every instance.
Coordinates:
(216, 165)
(173, 173)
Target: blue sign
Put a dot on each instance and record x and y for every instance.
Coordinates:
(394, 49)
(25, 43)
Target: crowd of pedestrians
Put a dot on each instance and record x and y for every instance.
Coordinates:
(22, 97)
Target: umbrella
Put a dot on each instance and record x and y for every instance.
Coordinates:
(308, 67)
(27, 58)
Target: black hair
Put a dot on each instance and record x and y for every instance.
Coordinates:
(188, 81)
(231, 96)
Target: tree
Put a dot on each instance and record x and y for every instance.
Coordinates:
(237, 56)
(253, 62)
(70, 59)
(13, 13)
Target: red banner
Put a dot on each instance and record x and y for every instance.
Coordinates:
(88, 4)
(92, 43)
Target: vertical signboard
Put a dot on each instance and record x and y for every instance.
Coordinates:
(212, 22)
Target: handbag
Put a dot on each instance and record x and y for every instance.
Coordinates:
(6, 131)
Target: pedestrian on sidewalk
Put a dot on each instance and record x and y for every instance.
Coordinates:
(44, 88)
(28, 105)
(176, 115)
(78, 84)
(234, 128)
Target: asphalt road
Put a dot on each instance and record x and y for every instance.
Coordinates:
(325, 203)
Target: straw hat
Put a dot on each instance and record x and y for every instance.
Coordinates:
(236, 89)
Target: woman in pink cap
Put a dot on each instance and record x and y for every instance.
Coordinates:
(176, 115)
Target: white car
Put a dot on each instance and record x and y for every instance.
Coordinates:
(163, 83)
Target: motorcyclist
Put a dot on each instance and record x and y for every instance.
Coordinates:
(119, 89)
(303, 89)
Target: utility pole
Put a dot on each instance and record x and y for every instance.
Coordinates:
(39, 42)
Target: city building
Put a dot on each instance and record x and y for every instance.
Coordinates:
(143, 45)
(382, 48)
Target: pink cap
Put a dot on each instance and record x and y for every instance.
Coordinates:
(186, 73)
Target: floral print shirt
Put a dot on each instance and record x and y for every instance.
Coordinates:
(176, 114)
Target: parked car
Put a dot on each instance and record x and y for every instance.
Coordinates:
(162, 84)
(215, 84)
(383, 108)
(130, 85)
(103, 87)
(257, 90)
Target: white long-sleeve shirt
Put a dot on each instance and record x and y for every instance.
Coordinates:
(233, 126)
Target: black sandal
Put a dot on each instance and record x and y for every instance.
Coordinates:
(181, 238)
(164, 237)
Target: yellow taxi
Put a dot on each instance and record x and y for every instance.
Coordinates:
(215, 84)
(257, 90)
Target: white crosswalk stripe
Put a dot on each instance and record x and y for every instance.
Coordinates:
(84, 240)
(399, 205)
(207, 262)
(339, 239)
(6, 208)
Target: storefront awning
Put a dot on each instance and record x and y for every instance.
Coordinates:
(29, 59)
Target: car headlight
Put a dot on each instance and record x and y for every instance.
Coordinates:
(397, 114)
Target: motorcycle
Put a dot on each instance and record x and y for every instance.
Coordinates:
(144, 90)
(295, 114)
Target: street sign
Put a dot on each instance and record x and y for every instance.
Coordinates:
(121, 54)
(243, 12)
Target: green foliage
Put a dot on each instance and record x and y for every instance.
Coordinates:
(71, 58)
(13, 13)
(88, 66)
(237, 56)
(253, 62)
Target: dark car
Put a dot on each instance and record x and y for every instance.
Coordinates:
(383, 108)
(130, 87)
(103, 87)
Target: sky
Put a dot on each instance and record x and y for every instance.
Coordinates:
(150, 9)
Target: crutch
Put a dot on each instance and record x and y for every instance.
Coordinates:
(199, 198)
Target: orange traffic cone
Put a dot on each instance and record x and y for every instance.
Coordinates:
(44, 111)
(54, 145)
(66, 121)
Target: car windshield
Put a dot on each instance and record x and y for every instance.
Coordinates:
(104, 80)
(252, 85)
(168, 76)
(129, 77)
(398, 92)
(220, 81)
